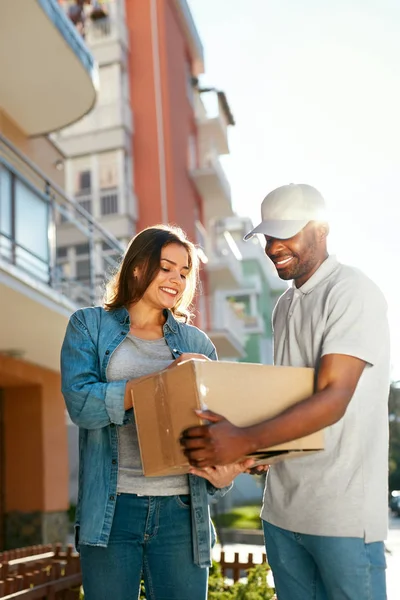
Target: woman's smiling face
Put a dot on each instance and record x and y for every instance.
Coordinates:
(170, 282)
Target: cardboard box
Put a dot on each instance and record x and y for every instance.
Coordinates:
(244, 393)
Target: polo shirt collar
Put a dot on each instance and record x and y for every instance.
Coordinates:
(329, 265)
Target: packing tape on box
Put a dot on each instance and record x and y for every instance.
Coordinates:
(164, 420)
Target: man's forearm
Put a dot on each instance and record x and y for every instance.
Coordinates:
(313, 414)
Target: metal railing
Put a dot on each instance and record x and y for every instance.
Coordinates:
(41, 228)
(111, 27)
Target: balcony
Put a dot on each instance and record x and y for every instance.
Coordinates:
(50, 66)
(227, 331)
(103, 116)
(212, 184)
(213, 119)
(222, 257)
(42, 280)
(106, 127)
(106, 37)
(244, 304)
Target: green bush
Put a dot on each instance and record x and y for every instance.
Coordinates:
(71, 513)
(240, 517)
(255, 588)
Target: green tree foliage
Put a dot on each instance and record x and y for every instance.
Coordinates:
(394, 430)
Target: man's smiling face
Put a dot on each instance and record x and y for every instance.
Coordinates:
(298, 257)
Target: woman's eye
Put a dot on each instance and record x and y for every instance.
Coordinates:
(183, 276)
(165, 270)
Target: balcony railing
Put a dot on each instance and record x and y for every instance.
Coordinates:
(112, 26)
(48, 236)
(226, 329)
(211, 161)
(221, 252)
(213, 120)
(224, 317)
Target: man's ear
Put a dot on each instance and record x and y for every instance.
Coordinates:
(323, 231)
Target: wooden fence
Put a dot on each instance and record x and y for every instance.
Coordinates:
(236, 569)
(40, 573)
(48, 573)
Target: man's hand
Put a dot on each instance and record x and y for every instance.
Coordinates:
(258, 470)
(219, 443)
(221, 476)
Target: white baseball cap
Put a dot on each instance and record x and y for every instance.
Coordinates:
(287, 209)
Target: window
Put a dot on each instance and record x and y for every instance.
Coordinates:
(111, 258)
(81, 249)
(108, 170)
(109, 183)
(83, 270)
(5, 213)
(86, 205)
(31, 231)
(109, 202)
(62, 252)
(82, 263)
(82, 176)
(84, 182)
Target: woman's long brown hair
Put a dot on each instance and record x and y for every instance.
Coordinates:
(144, 251)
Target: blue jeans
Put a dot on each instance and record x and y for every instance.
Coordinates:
(151, 537)
(313, 567)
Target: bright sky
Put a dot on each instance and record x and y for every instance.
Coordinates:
(314, 86)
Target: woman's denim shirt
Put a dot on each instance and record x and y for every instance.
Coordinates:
(97, 407)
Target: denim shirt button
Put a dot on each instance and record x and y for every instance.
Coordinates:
(112, 425)
(124, 332)
(113, 462)
(107, 352)
(112, 497)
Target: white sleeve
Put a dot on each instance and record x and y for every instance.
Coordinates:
(357, 322)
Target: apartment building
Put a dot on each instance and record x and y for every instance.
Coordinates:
(43, 61)
(148, 152)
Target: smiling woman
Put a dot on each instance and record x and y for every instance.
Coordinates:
(128, 524)
(158, 257)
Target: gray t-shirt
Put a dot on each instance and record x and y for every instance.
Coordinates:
(134, 358)
(343, 490)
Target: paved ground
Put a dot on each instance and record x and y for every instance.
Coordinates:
(392, 557)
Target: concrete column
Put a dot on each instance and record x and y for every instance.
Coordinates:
(35, 459)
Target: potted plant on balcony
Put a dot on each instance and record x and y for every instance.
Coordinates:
(99, 10)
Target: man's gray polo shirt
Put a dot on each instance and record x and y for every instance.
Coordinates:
(343, 490)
